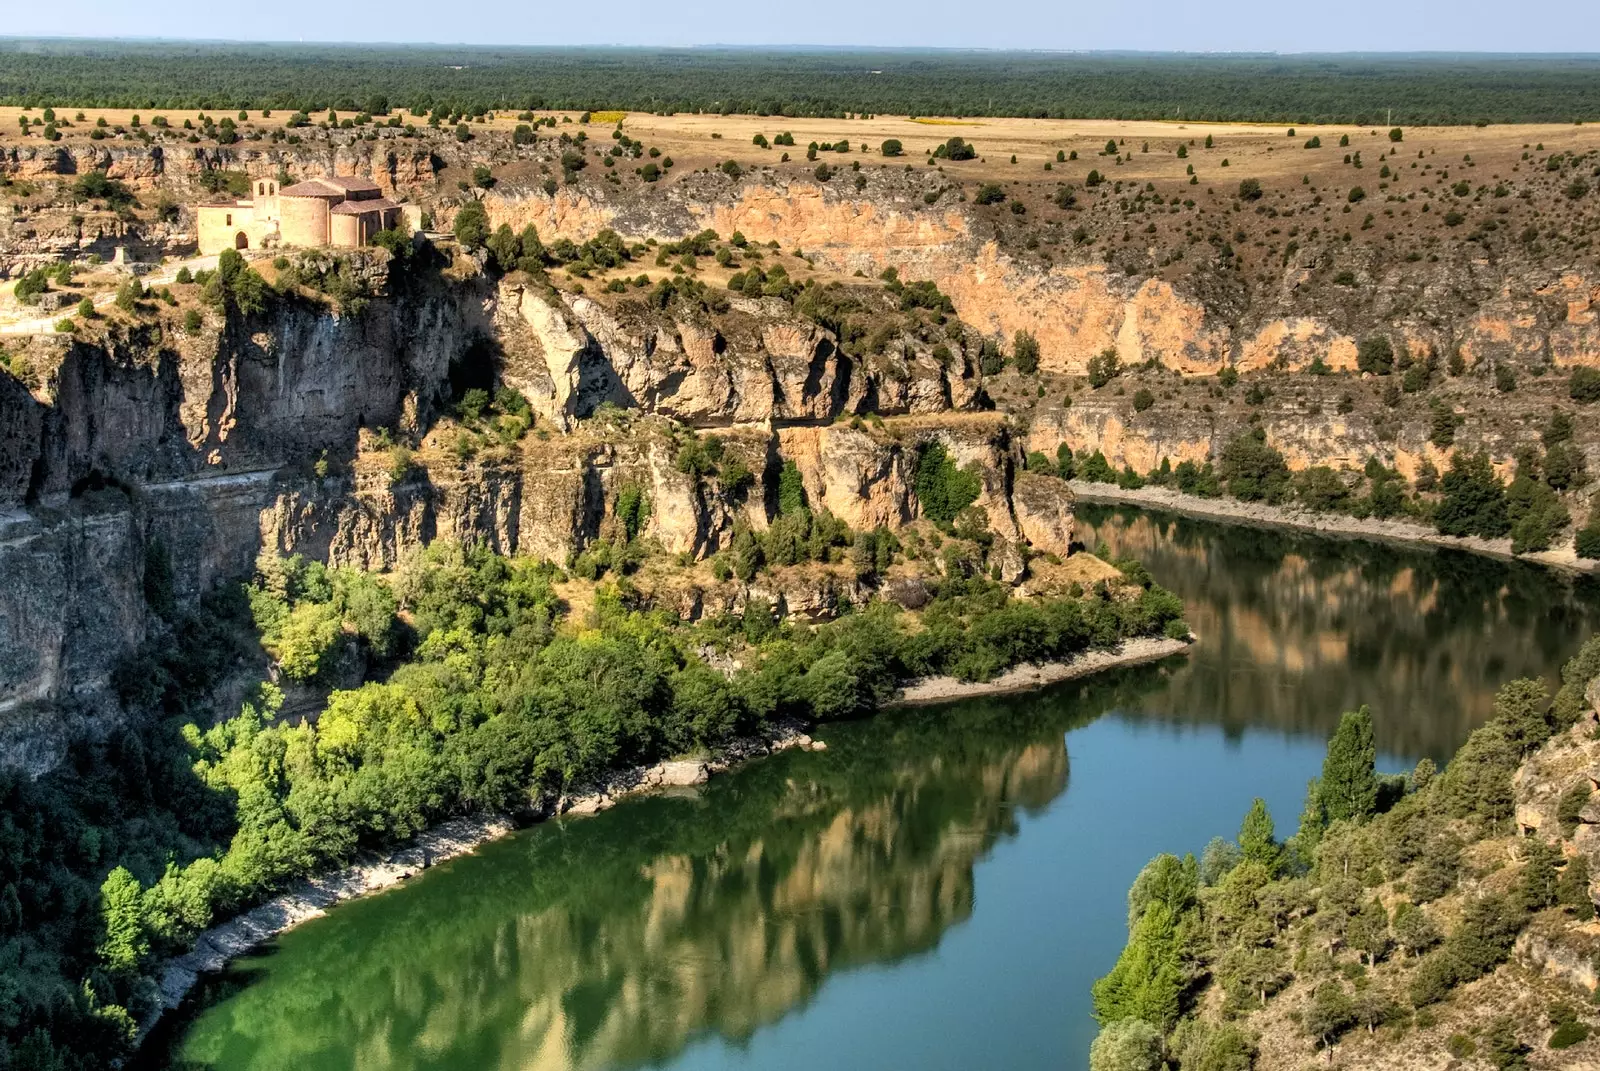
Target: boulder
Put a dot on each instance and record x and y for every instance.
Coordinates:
(1044, 509)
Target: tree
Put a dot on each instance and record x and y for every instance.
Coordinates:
(1413, 930)
(1474, 499)
(1328, 1014)
(1584, 386)
(1165, 879)
(503, 246)
(1253, 470)
(1368, 932)
(1218, 859)
(746, 555)
(1025, 353)
(1536, 889)
(471, 225)
(1257, 842)
(1375, 354)
(957, 149)
(942, 489)
(1572, 890)
(891, 147)
(1349, 787)
(1103, 368)
(1373, 1007)
(1250, 190)
(1126, 1045)
(124, 942)
(1252, 973)
(1149, 977)
(791, 490)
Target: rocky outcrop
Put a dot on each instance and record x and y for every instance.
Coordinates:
(1044, 509)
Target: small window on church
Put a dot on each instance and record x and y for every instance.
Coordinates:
(229, 223)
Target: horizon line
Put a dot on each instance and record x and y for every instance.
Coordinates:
(801, 47)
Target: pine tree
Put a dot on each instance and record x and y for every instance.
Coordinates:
(1313, 820)
(1537, 888)
(1349, 779)
(1256, 836)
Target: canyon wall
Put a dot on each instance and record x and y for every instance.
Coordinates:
(154, 448)
(150, 444)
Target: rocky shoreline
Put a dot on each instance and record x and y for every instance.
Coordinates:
(312, 897)
(1255, 513)
(1029, 676)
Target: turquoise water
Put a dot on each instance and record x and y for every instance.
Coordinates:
(936, 890)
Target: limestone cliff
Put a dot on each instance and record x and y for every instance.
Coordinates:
(150, 445)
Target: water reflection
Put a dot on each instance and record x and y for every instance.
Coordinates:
(676, 929)
(615, 942)
(1297, 628)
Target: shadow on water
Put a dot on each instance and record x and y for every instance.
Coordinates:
(698, 929)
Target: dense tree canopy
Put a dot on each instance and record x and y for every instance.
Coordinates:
(311, 78)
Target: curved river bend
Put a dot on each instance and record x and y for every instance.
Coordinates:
(940, 887)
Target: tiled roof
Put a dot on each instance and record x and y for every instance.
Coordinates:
(350, 183)
(361, 208)
(313, 188)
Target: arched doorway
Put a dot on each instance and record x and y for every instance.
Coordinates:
(240, 241)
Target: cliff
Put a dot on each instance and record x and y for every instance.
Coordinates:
(327, 424)
(145, 449)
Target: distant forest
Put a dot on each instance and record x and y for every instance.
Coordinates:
(1415, 89)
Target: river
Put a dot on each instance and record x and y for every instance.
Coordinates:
(941, 886)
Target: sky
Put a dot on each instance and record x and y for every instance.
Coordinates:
(1155, 25)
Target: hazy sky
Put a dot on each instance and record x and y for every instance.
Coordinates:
(1182, 25)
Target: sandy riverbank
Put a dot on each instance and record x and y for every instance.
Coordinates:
(1255, 513)
(1027, 677)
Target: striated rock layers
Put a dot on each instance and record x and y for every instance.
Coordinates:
(156, 449)
(1487, 311)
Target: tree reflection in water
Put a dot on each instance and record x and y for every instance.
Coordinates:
(1296, 628)
(616, 942)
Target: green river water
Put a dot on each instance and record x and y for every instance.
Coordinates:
(940, 887)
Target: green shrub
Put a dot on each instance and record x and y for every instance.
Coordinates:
(1253, 470)
(1103, 368)
(1375, 354)
(1587, 542)
(1568, 1034)
(942, 489)
(1474, 499)
(1584, 386)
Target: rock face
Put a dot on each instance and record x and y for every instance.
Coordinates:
(1534, 317)
(1044, 508)
(152, 448)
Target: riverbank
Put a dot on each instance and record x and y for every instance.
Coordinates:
(1028, 677)
(1255, 513)
(312, 897)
